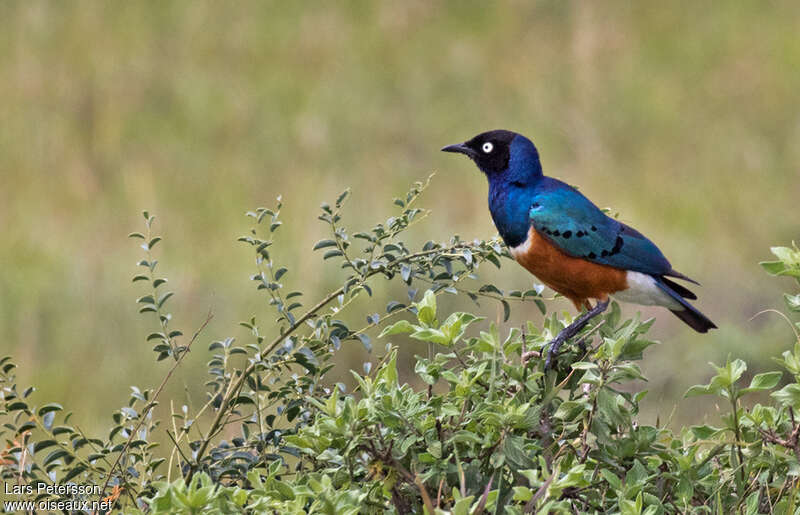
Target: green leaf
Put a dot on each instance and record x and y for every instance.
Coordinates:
(389, 370)
(49, 407)
(506, 310)
(792, 301)
(765, 381)
(634, 349)
(611, 479)
(727, 375)
(427, 308)
(394, 306)
(405, 273)
(569, 410)
(737, 367)
(637, 474)
(522, 493)
(461, 318)
(786, 255)
(402, 326)
(343, 195)
(53, 456)
(73, 472)
(698, 389)
(773, 267)
(43, 444)
(47, 419)
(16, 406)
(365, 341)
(751, 504)
(789, 263)
(163, 298)
(704, 432)
(515, 453)
(789, 395)
(431, 335)
(461, 507)
(324, 244)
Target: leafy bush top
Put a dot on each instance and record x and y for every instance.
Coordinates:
(481, 428)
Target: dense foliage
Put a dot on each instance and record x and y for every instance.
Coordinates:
(481, 427)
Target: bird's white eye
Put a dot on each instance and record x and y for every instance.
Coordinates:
(487, 147)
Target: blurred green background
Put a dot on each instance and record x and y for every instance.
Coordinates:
(682, 116)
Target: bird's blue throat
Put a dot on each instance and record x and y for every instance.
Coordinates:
(511, 191)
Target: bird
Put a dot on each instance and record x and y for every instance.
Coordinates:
(568, 243)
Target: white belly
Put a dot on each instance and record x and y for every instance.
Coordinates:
(521, 249)
(642, 289)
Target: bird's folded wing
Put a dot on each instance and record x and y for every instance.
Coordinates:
(580, 229)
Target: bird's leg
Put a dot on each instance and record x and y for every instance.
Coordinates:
(573, 329)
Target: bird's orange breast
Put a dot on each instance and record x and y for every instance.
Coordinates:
(575, 278)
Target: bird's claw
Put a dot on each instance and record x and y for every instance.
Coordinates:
(572, 330)
(552, 352)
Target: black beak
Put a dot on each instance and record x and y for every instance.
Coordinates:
(460, 148)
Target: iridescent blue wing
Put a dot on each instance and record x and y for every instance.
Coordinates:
(579, 228)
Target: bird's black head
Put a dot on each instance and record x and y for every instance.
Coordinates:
(491, 150)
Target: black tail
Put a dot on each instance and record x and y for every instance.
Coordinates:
(694, 319)
(689, 314)
(675, 273)
(680, 290)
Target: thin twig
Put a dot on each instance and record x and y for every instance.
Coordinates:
(791, 325)
(152, 404)
(177, 447)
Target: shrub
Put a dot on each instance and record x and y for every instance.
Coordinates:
(481, 428)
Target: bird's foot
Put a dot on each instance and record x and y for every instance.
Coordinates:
(554, 345)
(570, 331)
